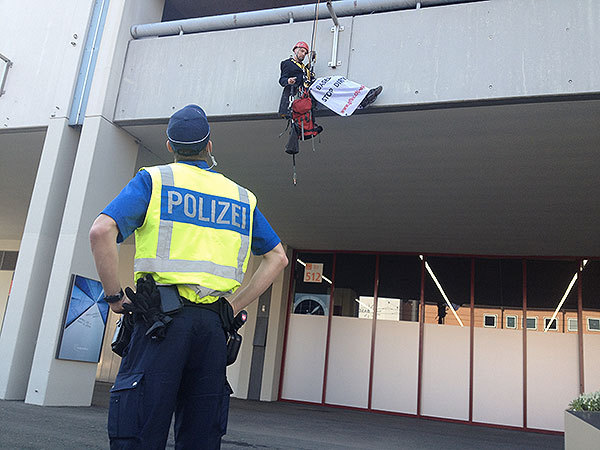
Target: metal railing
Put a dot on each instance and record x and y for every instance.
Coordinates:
(343, 8)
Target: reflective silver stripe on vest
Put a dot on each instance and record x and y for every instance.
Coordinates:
(162, 263)
(203, 291)
(184, 265)
(165, 227)
(245, 244)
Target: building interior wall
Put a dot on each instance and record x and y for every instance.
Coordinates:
(591, 362)
(348, 365)
(498, 376)
(445, 379)
(552, 378)
(395, 366)
(304, 370)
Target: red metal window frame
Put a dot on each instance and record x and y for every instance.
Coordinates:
(421, 329)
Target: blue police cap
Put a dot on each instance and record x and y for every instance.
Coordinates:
(188, 130)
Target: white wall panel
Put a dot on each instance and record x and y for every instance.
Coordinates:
(395, 366)
(591, 362)
(305, 358)
(498, 376)
(349, 361)
(45, 41)
(445, 380)
(552, 378)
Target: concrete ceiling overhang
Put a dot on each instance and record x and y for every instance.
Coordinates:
(511, 179)
(20, 156)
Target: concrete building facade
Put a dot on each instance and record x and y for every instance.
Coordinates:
(470, 184)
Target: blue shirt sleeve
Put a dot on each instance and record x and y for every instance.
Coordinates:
(264, 238)
(128, 209)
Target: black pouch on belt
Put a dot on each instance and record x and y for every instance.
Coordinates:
(170, 300)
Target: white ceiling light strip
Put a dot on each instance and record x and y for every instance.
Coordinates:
(439, 286)
(564, 297)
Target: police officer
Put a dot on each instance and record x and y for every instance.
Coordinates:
(194, 228)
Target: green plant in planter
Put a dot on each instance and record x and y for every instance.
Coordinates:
(586, 402)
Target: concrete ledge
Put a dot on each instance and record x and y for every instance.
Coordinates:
(582, 430)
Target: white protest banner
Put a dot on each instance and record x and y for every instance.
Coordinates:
(339, 94)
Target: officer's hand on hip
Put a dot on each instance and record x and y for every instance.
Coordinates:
(117, 307)
(291, 80)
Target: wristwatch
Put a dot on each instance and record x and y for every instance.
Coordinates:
(114, 298)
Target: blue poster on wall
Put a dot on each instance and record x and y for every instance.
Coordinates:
(85, 321)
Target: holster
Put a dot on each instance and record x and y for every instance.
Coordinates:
(122, 334)
(233, 338)
(170, 303)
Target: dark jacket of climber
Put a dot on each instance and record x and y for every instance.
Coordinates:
(294, 73)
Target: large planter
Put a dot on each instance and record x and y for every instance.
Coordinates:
(582, 430)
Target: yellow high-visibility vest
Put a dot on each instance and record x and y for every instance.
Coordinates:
(197, 232)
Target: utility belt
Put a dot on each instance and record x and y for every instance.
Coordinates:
(154, 305)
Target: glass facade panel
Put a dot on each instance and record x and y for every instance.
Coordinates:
(511, 322)
(551, 293)
(532, 323)
(354, 285)
(312, 283)
(550, 324)
(448, 289)
(499, 292)
(490, 320)
(399, 290)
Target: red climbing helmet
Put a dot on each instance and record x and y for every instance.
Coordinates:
(300, 44)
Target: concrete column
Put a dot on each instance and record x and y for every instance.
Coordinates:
(36, 253)
(105, 162)
(238, 373)
(6, 277)
(275, 334)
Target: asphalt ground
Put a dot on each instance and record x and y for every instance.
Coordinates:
(262, 425)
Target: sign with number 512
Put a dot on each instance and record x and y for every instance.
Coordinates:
(313, 273)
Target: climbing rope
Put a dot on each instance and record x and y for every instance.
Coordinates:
(313, 40)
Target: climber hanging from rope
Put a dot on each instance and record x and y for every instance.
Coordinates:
(300, 88)
(335, 92)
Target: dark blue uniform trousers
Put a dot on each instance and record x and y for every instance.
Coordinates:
(184, 373)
